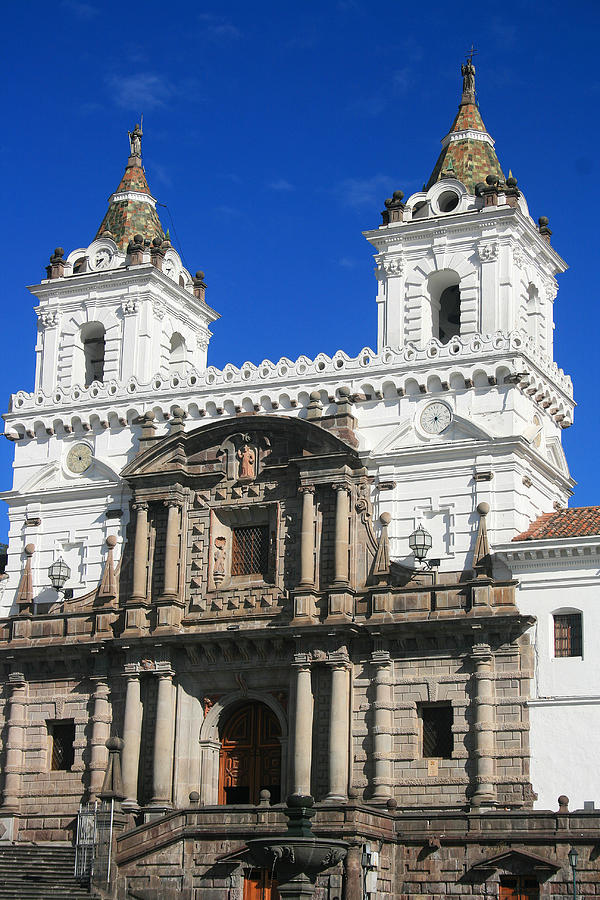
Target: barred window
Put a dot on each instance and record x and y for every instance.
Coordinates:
(250, 550)
(62, 739)
(436, 724)
(567, 635)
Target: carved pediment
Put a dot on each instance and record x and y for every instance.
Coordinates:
(239, 448)
(518, 862)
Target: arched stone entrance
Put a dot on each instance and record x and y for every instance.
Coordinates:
(250, 755)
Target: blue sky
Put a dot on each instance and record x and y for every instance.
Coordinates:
(274, 131)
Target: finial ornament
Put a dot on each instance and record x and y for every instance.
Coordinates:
(468, 73)
(135, 141)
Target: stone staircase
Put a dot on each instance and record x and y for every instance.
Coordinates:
(39, 872)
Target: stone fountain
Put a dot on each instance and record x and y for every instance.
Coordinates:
(297, 857)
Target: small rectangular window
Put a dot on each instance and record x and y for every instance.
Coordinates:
(567, 635)
(62, 739)
(250, 550)
(436, 724)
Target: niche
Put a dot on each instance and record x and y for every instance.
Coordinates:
(93, 340)
(444, 291)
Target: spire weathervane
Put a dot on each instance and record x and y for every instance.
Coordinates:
(468, 75)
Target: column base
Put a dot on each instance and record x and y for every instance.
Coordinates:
(9, 825)
(340, 605)
(336, 798)
(130, 807)
(305, 607)
(156, 810)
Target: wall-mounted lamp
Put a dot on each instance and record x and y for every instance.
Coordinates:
(420, 543)
(59, 573)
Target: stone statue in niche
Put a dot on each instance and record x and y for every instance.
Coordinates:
(219, 559)
(247, 458)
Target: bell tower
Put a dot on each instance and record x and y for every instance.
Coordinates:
(123, 308)
(463, 256)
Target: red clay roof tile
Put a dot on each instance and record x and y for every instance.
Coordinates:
(580, 521)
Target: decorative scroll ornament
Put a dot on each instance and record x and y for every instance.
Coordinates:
(129, 307)
(394, 266)
(518, 257)
(488, 252)
(49, 319)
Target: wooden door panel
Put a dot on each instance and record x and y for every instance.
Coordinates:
(250, 757)
(258, 886)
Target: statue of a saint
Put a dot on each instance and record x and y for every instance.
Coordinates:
(135, 141)
(247, 458)
(219, 558)
(468, 74)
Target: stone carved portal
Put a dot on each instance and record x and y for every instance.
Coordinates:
(250, 756)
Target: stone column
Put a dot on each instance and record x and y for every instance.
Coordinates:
(100, 732)
(15, 739)
(339, 731)
(484, 733)
(132, 736)
(307, 538)
(140, 553)
(342, 511)
(171, 581)
(162, 770)
(303, 725)
(382, 726)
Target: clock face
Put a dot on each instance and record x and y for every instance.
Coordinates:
(79, 458)
(102, 259)
(435, 418)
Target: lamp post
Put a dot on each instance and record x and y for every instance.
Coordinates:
(573, 857)
(59, 573)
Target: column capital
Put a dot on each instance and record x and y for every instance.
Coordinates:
(481, 653)
(140, 505)
(306, 489)
(341, 486)
(17, 679)
(380, 657)
(339, 662)
(301, 661)
(172, 502)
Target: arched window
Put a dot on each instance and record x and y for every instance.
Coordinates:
(177, 353)
(568, 634)
(449, 325)
(250, 756)
(93, 340)
(444, 291)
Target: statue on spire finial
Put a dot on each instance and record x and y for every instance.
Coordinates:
(468, 73)
(135, 141)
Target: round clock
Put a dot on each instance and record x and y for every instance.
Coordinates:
(102, 259)
(435, 418)
(79, 458)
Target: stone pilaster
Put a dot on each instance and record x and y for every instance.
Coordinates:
(15, 739)
(303, 725)
(101, 719)
(162, 769)
(483, 726)
(339, 729)
(382, 726)
(132, 736)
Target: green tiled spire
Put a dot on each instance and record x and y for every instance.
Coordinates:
(132, 208)
(465, 155)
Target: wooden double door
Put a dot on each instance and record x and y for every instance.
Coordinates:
(518, 888)
(259, 886)
(250, 756)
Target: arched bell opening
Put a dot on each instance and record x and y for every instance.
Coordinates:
(250, 755)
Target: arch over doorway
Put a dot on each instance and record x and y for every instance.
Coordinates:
(250, 755)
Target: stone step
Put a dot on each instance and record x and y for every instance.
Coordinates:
(39, 872)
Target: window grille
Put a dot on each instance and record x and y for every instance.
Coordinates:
(437, 731)
(62, 736)
(250, 550)
(567, 635)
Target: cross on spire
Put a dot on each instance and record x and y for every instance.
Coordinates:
(471, 53)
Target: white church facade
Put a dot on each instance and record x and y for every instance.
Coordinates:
(240, 554)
